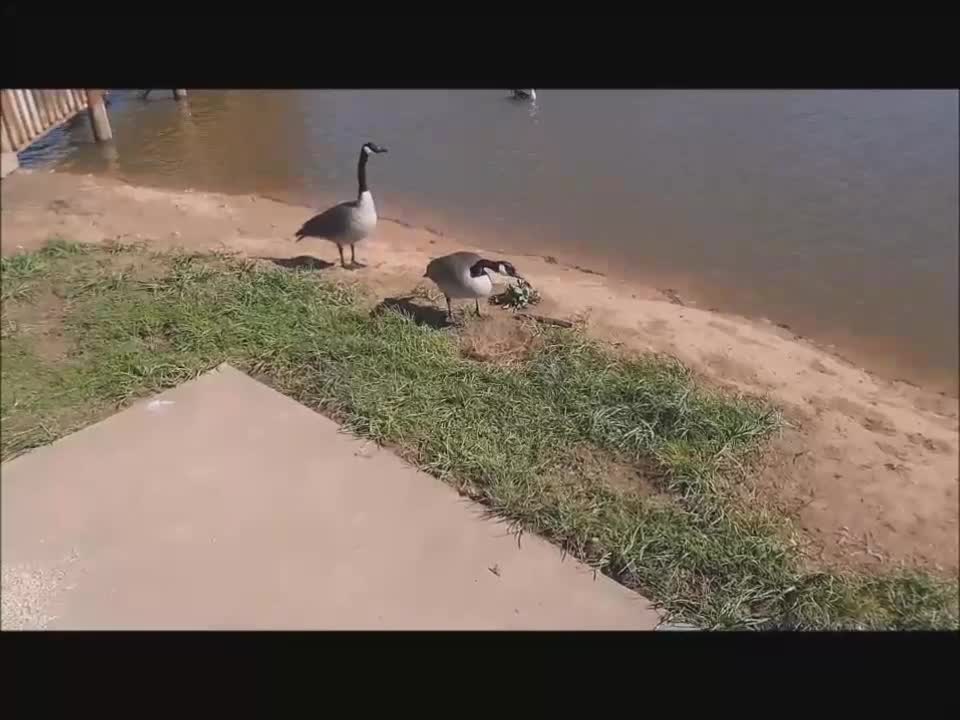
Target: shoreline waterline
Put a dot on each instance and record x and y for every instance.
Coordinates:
(875, 356)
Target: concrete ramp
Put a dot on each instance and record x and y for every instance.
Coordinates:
(222, 504)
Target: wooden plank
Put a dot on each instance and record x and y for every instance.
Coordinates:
(17, 114)
(53, 104)
(38, 123)
(81, 96)
(26, 131)
(24, 115)
(13, 129)
(15, 123)
(44, 104)
(6, 142)
(40, 100)
(4, 114)
(68, 100)
(61, 103)
(32, 119)
(37, 108)
(51, 107)
(58, 103)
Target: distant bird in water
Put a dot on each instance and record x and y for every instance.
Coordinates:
(349, 222)
(466, 275)
(528, 94)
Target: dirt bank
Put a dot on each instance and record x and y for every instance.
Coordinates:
(869, 471)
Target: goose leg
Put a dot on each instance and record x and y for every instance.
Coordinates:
(449, 309)
(342, 263)
(477, 301)
(353, 258)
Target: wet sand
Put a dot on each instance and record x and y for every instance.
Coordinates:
(868, 470)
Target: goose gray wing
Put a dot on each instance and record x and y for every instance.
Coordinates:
(451, 268)
(331, 223)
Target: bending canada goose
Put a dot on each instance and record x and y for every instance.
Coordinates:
(528, 94)
(349, 222)
(466, 275)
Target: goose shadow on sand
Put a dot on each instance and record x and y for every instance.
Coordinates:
(301, 262)
(428, 315)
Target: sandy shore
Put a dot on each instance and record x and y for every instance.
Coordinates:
(868, 472)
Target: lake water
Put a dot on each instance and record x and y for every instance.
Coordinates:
(832, 211)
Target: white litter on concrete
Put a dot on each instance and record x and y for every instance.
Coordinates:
(158, 405)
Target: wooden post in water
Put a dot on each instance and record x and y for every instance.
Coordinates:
(179, 94)
(99, 119)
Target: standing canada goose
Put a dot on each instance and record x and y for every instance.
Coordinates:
(466, 275)
(349, 222)
(528, 94)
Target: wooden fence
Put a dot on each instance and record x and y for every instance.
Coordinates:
(28, 115)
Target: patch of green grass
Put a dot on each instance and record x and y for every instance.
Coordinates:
(22, 270)
(508, 437)
(18, 273)
(58, 247)
(40, 401)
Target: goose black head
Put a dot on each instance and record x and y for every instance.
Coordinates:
(494, 266)
(373, 148)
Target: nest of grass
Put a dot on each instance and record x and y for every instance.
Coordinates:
(517, 296)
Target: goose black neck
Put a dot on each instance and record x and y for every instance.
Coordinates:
(362, 172)
(476, 270)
